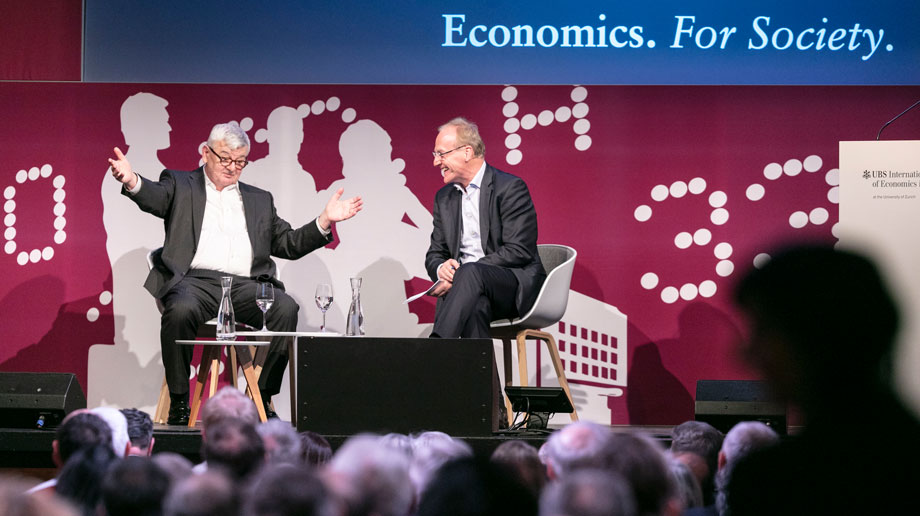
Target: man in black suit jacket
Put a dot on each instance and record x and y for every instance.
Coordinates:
(217, 226)
(484, 242)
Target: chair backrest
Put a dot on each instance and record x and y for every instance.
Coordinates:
(548, 309)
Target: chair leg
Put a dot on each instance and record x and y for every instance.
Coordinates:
(292, 378)
(506, 358)
(522, 357)
(557, 364)
(162, 411)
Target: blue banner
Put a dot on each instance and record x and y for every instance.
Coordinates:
(536, 42)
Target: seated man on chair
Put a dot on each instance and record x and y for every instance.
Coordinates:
(217, 226)
(484, 241)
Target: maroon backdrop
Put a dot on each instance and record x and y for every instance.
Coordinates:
(641, 137)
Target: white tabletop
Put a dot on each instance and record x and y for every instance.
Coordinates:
(260, 333)
(224, 342)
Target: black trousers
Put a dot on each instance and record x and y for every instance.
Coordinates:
(480, 294)
(195, 300)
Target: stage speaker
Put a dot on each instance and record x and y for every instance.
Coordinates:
(38, 400)
(348, 385)
(723, 403)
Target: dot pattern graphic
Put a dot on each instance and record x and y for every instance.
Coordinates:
(718, 200)
(25, 257)
(515, 121)
(701, 237)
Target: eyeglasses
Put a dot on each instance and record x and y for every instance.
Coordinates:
(241, 163)
(441, 155)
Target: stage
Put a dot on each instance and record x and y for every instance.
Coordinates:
(28, 451)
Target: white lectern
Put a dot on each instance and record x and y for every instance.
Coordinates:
(880, 217)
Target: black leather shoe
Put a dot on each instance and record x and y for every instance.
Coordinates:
(178, 412)
(269, 413)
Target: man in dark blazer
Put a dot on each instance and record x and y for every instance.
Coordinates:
(217, 226)
(484, 241)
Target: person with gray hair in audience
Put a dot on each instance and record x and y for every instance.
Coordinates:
(430, 451)
(686, 484)
(140, 432)
(697, 444)
(743, 439)
(588, 492)
(371, 479)
(288, 490)
(281, 441)
(643, 463)
(121, 444)
(577, 445)
(228, 402)
(234, 446)
(211, 493)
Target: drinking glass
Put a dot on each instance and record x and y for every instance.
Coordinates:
(265, 296)
(323, 300)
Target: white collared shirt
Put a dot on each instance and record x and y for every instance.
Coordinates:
(471, 237)
(224, 244)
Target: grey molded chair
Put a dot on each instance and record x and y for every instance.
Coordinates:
(548, 309)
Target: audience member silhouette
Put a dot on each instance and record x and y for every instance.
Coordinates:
(578, 445)
(588, 492)
(686, 484)
(119, 426)
(522, 461)
(211, 493)
(697, 445)
(430, 451)
(135, 486)
(288, 490)
(370, 479)
(642, 462)
(80, 481)
(743, 439)
(822, 328)
(475, 487)
(282, 444)
(79, 429)
(16, 499)
(316, 449)
(235, 447)
(140, 432)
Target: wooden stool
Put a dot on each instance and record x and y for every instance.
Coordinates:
(210, 365)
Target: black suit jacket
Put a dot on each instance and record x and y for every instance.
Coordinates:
(179, 199)
(508, 228)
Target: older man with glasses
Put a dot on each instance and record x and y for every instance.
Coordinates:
(217, 226)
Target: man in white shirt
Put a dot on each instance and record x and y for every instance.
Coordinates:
(217, 226)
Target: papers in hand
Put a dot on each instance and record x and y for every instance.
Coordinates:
(425, 293)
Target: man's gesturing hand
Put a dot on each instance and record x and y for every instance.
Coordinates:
(121, 170)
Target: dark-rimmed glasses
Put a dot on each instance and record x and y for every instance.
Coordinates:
(240, 163)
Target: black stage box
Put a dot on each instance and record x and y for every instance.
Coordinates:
(38, 400)
(347, 385)
(723, 403)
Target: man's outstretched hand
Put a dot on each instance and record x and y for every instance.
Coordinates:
(338, 209)
(121, 170)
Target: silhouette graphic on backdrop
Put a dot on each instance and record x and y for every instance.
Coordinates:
(128, 373)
